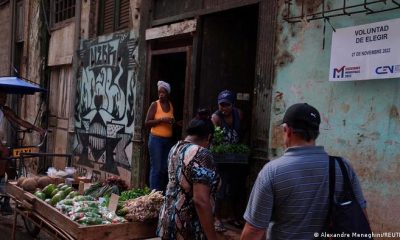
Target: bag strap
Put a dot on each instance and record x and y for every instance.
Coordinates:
(332, 182)
(348, 189)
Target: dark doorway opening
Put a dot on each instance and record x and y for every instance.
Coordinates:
(228, 57)
(227, 61)
(170, 67)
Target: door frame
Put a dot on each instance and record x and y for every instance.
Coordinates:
(189, 89)
(187, 99)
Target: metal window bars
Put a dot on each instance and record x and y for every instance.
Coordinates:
(326, 11)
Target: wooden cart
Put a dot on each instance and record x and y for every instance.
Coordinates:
(48, 218)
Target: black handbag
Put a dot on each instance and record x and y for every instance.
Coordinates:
(346, 220)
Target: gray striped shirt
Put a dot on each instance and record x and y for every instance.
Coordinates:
(292, 192)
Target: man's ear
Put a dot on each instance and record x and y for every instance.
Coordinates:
(287, 130)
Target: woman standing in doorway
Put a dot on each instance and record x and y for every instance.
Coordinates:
(160, 118)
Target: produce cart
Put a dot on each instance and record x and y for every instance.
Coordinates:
(48, 218)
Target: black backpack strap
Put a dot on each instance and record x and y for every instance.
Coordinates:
(348, 189)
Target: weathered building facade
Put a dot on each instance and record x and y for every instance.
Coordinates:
(360, 119)
(105, 57)
(24, 54)
(274, 54)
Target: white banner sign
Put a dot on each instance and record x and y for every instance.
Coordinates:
(370, 51)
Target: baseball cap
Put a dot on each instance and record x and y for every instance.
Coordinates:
(226, 96)
(302, 116)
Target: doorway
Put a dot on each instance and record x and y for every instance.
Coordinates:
(228, 61)
(228, 57)
(171, 66)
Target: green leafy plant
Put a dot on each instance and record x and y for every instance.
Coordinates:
(219, 147)
(218, 136)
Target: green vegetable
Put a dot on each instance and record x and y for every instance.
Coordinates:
(55, 199)
(218, 137)
(71, 195)
(54, 192)
(90, 221)
(66, 208)
(92, 204)
(83, 198)
(40, 195)
(68, 202)
(86, 209)
(93, 189)
(230, 148)
(134, 193)
(220, 147)
(49, 189)
(67, 190)
(62, 193)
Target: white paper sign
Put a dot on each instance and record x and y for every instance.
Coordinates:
(370, 51)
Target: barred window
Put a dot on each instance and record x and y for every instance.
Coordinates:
(113, 16)
(63, 10)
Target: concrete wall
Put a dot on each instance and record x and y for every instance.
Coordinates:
(360, 119)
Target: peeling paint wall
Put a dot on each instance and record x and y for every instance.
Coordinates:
(360, 120)
(104, 112)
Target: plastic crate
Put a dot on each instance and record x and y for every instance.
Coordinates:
(238, 158)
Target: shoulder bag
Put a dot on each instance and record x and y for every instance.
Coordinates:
(346, 219)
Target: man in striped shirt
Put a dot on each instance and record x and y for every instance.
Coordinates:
(292, 191)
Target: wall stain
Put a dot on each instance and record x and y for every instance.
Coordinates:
(284, 58)
(310, 6)
(394, 113)
(279, 103)
(345, 107)
(342, 141)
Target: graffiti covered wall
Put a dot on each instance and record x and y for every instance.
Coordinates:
(104, 111)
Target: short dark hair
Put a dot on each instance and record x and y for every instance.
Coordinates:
(201, 125)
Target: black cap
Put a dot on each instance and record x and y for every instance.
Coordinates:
(302, 116)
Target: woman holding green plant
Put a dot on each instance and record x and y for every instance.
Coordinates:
(227, 120)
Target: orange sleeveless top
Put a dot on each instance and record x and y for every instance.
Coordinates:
(163, 129)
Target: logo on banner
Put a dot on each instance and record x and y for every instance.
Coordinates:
(345, 72)
(387, 69)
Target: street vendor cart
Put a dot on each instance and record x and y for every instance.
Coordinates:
(49, 219)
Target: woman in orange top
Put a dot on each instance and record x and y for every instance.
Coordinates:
(160, 118)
